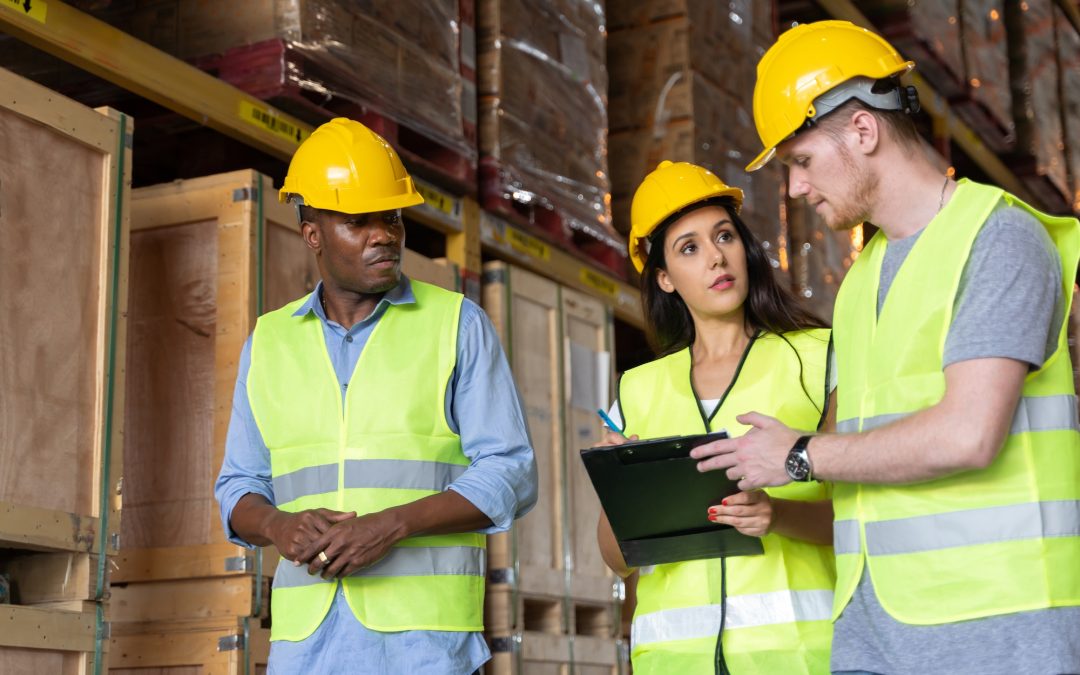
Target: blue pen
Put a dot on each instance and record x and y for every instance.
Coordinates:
(607, 420)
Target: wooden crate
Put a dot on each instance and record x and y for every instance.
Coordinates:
(64, 188)
(208, 256)
(543, 654)
(36, 641)
(204, 599)
(546, 575)
(237, 647)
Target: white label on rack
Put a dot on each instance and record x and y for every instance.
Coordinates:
(35, 9)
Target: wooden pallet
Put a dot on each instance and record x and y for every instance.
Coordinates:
(546, 574)
(262, 70)
(64, 186)
(198, 283)
(546, 218)
(530, 653)
(237, 647)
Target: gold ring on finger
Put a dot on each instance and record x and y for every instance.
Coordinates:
(322, 557)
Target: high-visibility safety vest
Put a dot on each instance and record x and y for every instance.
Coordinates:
(778, 604)
(389, 445)
(978, 543)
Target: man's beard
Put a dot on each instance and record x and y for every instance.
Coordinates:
(856, 208)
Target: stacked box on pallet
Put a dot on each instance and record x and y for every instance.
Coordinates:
(543, 121)
(64, 187)
(1037, 105)
(682, 80)
(986, 105)
(208, 255)
(820, 257)
(1069, 71)
(547, 583)
(406, 68)
(927, 32)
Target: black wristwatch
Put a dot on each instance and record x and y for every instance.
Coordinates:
(798, 461)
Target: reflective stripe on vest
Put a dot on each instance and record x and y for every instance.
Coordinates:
(385, 443)
(933, 548)
(1033, 413)
(657, 399)
(743, 611)
(973, 527)
(403, 561)
(403, 474)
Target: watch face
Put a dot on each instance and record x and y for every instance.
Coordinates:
(797, 467)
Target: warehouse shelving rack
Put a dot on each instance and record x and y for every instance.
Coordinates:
(119, 58)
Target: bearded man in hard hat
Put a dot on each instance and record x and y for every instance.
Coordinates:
(376, 436)
(957, 465)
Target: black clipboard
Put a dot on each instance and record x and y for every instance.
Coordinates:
(657, 501)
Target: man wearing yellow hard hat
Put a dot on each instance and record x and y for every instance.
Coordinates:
(376, 436)
(957, 465)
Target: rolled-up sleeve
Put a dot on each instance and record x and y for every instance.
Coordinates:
(485, 409)
(246, 468)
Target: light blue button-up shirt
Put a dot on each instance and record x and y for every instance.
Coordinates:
(482, 406)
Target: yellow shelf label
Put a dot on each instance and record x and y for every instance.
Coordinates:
(261, 117)
(599, 283)
(437, 199)
(35, 9)
(530, 246)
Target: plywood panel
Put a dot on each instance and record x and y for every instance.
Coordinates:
(63, 242)
(586, 327)
(41, 661)
(525, 310)
(290, 266)
(170, 470)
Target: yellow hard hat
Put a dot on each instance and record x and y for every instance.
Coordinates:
(806, 62)
(670, 188)
(344, 166)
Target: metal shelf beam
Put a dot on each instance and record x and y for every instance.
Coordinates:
(113, 55)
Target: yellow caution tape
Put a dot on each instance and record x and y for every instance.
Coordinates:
(437, 199)
(599, 283)
(530, 246)
(35, 9)
(264, 118)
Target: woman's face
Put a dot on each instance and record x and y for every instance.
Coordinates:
(705, 263)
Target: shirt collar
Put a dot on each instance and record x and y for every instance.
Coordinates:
(402, 294)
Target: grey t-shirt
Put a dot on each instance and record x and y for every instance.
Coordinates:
(1009, 304)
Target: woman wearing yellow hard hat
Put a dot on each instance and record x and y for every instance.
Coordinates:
(730, 339)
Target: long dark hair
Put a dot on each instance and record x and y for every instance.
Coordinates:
(769, 306)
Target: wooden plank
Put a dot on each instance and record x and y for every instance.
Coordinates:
(51, 577)
(64, 175)
(201, 650)
(46, 529)
(52, 661)
(37, 628)
(185, 562)
(531, 653)
(192, 599)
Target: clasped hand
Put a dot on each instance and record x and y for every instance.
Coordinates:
(347, 543)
